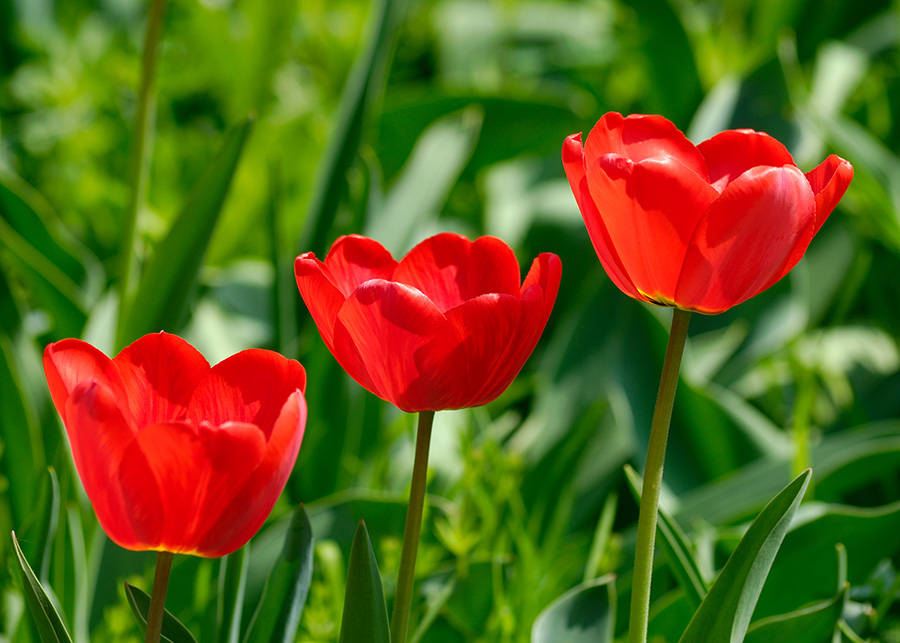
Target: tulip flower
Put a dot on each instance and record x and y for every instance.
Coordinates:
(695, 228)
(174, 455)
(448, 326)
(698, 228)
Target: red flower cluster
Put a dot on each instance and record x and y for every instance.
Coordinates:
(174, 455)
(449, 326)
(700, 228)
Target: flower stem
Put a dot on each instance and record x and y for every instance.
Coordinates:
(138, 161)
(406, 576)
(158, 597)
(653, 472)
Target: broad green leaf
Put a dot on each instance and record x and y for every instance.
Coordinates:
(420, 191)
(584, 614)
(278, 614)
(675, 543)
(364, 86)
(811, 624)
(170, 274)
(173, 631)
(799, 577)
(232, 583)
(365, 612)
(725, 613)
(49, 624)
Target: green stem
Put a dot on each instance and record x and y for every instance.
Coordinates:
(138, 161)
(406, 576)
(653, 472)
(158, 596)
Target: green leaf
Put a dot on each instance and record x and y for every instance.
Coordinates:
(173, 631)
(59, 271)
(584, 614)
(725, 613)
(364, 85)
(278, 615)
(232, 584)
(365, 612)
(798, 576)
(20, 435)
(812, 624)
(49, 624)
(170, 274)
(420, 191)
(675, 544)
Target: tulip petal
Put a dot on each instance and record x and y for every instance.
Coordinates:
(640, 137)
(322, 297)
(196, 472)
(251, 386)
(354, 259)
(250, 506)
(545, 274)
(573, 162)
(829, 181)
(394, 342)
(71, 361)
(100, 439)
(731, 153)
(449, 269)
(159, 372)
(751, 236)
(650, 209)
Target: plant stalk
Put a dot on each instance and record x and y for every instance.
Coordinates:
(406, 576)
(653, 472)
(139, 160)
(158, 596)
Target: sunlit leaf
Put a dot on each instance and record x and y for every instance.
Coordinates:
(725, 613)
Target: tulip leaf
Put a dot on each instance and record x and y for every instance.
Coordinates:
(48, 621)
(675, 544)
(366, 81)
(725, 613)
(232, 585)
(421, 189)
(278, 615)
(584, 614)
(811, 624)
(173, 631)
(798, 577)
(170, 274)
(365, 612)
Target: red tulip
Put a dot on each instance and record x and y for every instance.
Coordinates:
(449, 326)
(174, 455)
(700, 228)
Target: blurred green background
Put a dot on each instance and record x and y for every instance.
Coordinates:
(399, 120)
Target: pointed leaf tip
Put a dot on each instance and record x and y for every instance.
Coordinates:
(365, 611)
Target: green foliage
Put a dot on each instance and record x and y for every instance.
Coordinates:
(365, 613)
(399, 119)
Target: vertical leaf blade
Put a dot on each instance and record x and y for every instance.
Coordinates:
(278, 615)
(49, 623)
(170, 275)
(365, 612)
(173, 630)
